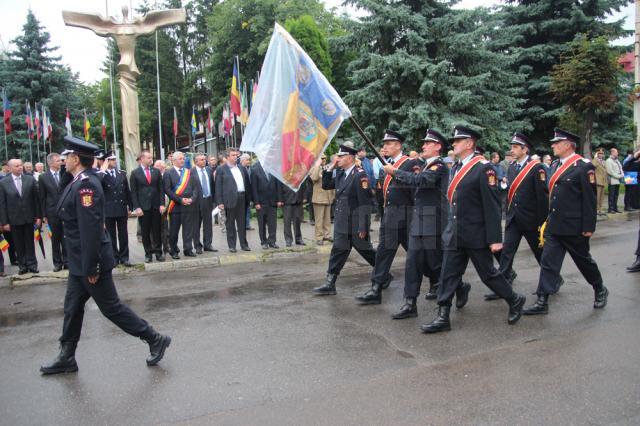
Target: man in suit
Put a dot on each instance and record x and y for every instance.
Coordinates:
(117, 204)
(616, 177)
(245, 161)
(267, 197)
(473, 232)
(183, 190)
(147, 202)
(601, 179)
(49, 189)
(571, 223)
(204, 177)
(19, 212)
(160, 165)
(233, 194)
(292, 214)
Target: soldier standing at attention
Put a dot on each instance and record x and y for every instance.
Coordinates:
(81, 208)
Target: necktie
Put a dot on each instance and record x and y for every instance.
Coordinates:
(203, 181)
(518, 167)
(113, 174)
(56, 177)
(147, 173)
(392, 162)
(19, 185)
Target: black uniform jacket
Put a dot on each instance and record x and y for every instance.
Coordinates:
(81, 208)
(117, 196)
(170, 179)
(430, 205)
(353, 200)
(572, 202)
(529, 206)
(398, 203)
(475, 212)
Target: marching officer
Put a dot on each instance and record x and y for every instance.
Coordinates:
(527, 205)
(394, 225)
(571, 223)
(429, 218)
(117, 205)
(474, 231)
(352, 214)
(81, 208)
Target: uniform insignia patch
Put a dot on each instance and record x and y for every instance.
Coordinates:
(86, 197)
(592, 177)
(364, 182)
(491, 178)
(543, 175)
(434, 168)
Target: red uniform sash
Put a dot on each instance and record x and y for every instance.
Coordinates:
(520, 178)
(460, 175)
(568, 163)
(388, 178)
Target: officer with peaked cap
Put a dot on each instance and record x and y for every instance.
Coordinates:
(570, 224)
(117, 205)
(394, 225)
(352, 214)
(81, 208)
(473, 232)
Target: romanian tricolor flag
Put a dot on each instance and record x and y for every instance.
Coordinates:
(49, 233)
(236, 108)
(36, 233)
(296, 112)
(4, 245)
(86, 127)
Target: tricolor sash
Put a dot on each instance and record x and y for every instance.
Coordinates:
(520, 178)
(560, 171)
(460, 175)
(179, 189)
(388, 178)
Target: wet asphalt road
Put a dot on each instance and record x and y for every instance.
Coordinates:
(251, 345)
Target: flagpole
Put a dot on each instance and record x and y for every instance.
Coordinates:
(158, 85)
(366, 139)
(4, 125)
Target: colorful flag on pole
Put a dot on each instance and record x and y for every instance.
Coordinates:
(36, 233)
(6, 107)
(104, 126)
(296, 112)
(175, 123)
(86, 126)
(67, 123)
(28, 119)
(225, 119)
(194, 123)
(235, 89)
(254, 92)
(4, 245)
(37, 123)
(244, 116)
(46, 126)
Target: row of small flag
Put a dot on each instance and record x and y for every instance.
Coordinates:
(4, 245)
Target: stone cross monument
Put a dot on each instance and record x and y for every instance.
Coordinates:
(125, 34)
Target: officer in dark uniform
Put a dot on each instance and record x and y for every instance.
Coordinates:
(633, 165)
(571, 223)
(527, 205)
(352, 219)
(394, 225)
(474, 231)
(429, 217)
(117, 205)
(81, 208)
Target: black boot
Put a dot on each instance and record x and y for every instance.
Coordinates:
(65, 362)
(440, 323)
(635, 267)
(407, 310)
(601, 296)
(373, 296)
(491, 296)
(387, 283)
(157, 345)
(433, 291)
(329, 287)
(541, 307)
(462, 294)
(515, 308)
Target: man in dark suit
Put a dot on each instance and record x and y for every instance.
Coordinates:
(292, 214)
(117, 204)
(267, 197)
(204, 177)
(19, 212)
(473, 232)
(233, 195)
(49, 189)
(182, 209)
(147, 201)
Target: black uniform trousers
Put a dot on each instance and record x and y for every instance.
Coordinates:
(106, 297)
(236, 222)
(390, 239)
(512, 237)
(638, 246)
(454, 264)
(204, 221)
(25, 246)
(117, 227)
(424, 258)
(342, 244)
(182, 219)
(58, 250)
(555, 248)
(267, 217)
(150, 225)
(292, 216)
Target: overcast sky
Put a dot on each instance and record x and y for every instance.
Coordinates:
(84, 51)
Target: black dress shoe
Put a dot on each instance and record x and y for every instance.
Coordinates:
(515, 308)
(148, 258)
(57, 268)
(22, 271)
(635, 266)
(601, 297)
(300, 243)
(246, 248)
(189, 253)
(432, 294)
(462, 295)
(157, 345)
(328, 288)
(440, 323)
(199, 251)
(127, 264)
(175, 256)
(65, 362)
(265, 246)
(373, 296)
(407, 310)
(491, 296)
(387, 283)
(541, 307)
(233, 250)
(209, 248)
(34, 270)
(274, 246)
(160, 257)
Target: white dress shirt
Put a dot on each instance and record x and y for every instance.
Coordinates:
(237, 175)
